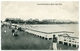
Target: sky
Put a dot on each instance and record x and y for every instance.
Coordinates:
(69, 10)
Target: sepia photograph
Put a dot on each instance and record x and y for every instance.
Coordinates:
(39, 25)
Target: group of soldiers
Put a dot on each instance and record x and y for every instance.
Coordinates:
(15, 30)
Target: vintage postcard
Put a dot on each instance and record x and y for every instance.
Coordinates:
(39, 25)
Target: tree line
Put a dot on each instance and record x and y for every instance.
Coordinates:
(37, 21)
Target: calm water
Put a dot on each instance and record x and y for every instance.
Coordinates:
(56, 28)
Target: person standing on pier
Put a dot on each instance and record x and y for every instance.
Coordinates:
(13, 31)
(54, 42)
(4, 28)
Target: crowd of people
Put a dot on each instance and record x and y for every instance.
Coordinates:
(14, 30)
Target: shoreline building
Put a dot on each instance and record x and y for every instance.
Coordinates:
(68, 40)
